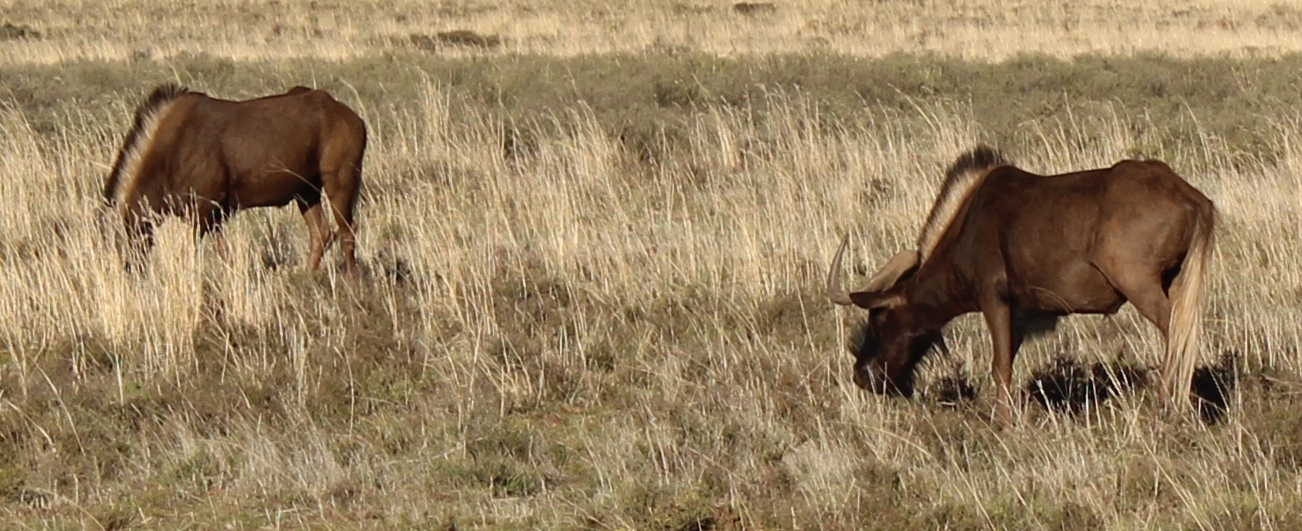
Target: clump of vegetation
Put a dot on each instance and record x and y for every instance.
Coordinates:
(11, 32)
(689, 8)
(754, 8)
(453, 38)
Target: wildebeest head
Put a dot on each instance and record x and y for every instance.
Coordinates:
(892, 341)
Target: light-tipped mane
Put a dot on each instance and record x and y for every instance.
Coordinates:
(149, 113)
(962, 177)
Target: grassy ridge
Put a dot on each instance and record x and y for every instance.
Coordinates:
(644, 100)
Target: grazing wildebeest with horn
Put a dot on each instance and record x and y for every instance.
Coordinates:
(1024, 249)
(194, 155)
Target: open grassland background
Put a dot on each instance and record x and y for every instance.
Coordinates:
(984, 29)
(594, 281)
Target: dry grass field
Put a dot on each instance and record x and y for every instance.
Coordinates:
(594, 238)
(336, 29)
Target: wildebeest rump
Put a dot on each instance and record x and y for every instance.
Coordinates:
(1023, 248)
(190, 154)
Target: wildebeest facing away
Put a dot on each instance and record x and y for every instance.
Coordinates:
(1024, 249)
(190, 154)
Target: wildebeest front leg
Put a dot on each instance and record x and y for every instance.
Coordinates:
(1004, 342)
(139, 233)
(210, 219)
(140, 239)
(220, 244)
(318, 230)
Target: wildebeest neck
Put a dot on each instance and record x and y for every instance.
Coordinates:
(935, 295)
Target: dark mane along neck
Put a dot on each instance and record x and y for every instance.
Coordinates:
(139, 136)
(963, 176)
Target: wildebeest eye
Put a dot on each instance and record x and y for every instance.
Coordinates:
(877, 317)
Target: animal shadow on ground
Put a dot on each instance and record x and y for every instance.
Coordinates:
(1213, 385)
(1068, 385)
(952, 389)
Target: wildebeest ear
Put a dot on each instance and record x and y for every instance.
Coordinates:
(873, 300)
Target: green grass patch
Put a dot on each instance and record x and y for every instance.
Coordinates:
(644, 100)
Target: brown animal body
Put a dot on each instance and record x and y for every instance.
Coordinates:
(1024, 249)
(190, 154)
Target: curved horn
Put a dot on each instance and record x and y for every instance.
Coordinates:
(835, 291)
(899, 265)
(895, 269)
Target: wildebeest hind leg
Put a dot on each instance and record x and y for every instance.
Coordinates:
(318, 230)
(1154, 304)
(1145, 292)
(342, 191)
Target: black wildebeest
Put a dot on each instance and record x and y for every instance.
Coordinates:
(1024, 249)
(190, 154)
